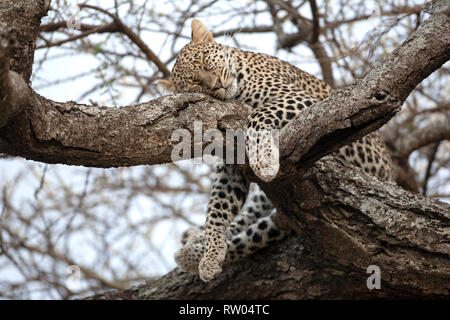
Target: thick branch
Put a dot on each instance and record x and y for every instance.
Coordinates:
(17, 42)
(8, 107)
(98, 136)
(370, 102)
(71, 133)
(346, 222)
(24, 18)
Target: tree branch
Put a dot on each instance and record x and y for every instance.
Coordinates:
(87, 30)
(431, 158)
(346, 222)
(434, 132)
(55, 26)
(49, 131)
(71, 133)
(26, 26)
(372, 101)
(135, 39)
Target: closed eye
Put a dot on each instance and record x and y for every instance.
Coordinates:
(192, 81)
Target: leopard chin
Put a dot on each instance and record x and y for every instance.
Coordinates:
(231, 90)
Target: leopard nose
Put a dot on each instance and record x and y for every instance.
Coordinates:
(218, 84)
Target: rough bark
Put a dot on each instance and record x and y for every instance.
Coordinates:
(19, 27)
(24, 17)
(71, 133)
(346, 221)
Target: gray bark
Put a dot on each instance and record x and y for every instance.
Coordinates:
(346, 222)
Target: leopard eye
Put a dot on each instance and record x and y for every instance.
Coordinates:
(192, 81)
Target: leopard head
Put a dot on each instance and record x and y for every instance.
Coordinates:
(203, 66)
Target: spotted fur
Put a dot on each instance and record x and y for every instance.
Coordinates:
(253, 229)
(277, 92)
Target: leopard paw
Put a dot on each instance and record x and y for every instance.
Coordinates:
(209, 268)
(263, 153)
(266, 172)
(188, 257)
(267, 165)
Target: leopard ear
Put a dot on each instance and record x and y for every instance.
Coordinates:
(166, 85)
(199, 32)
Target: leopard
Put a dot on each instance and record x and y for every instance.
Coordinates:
(239, 216)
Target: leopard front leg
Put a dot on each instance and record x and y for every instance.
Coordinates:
(254, 212)
(228, 195)
(252, 237)
(262, 132)
(263, 151)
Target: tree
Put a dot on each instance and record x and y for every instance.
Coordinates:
(345, 221)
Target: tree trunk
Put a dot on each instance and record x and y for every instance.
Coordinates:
(345, 222)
